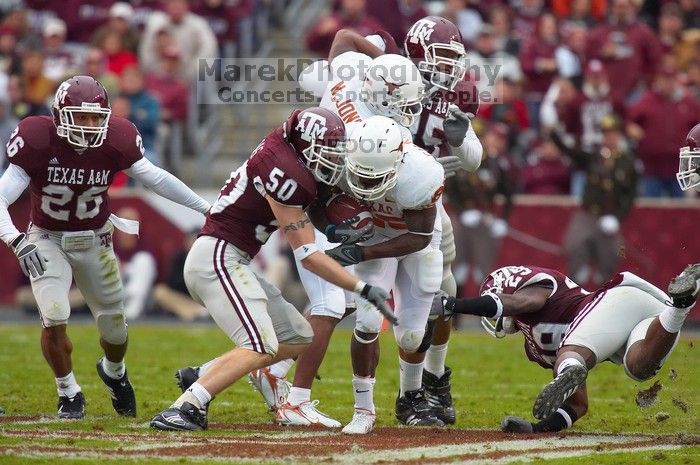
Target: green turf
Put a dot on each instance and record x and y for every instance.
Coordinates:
(491, 378)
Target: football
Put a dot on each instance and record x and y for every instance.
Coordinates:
(343, 207)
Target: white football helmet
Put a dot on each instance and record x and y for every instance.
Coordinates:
(688, 174)
(374, 151)
(393, 87)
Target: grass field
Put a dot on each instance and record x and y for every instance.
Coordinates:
(491, 378)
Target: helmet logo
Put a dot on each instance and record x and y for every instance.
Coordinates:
(399, 148)
(311, 126)
(391, 87)
(421, 31)
(62, 93)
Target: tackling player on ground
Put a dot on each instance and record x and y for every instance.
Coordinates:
(688, 174)
(271, 190)
(628, 321)
(69, 162)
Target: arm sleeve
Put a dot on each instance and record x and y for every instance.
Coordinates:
(12, 183)
(165, 184)
(470, 151)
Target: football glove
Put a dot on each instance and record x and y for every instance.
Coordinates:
(442, 306)
(451, 164)
(378, 297)
(456, 125)
(31, 261)
(346, 254)
(511, 424)
(346, 233)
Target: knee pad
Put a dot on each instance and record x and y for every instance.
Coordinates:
(427, 337)
(409, 340)
(362, 340)
(112, 327)
(428, 274)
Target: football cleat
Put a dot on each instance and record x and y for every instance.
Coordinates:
(412, 409)
(437, 393)
(186, 377)
(121, 391)
(186, 418)
(304, 414)
(684, 287)
(511, 424)
(273, 389)
(71, 408)
(554, 394)
(362, 422)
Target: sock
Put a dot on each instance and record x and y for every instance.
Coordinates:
(114, 370)
(435, 359)
(67, 385)
(187, 396)
(364, 392)
(200, 393)
(280, 369)
(672, 318)
(411, 376)
(205, 366)
(566, 363)
(298, 395)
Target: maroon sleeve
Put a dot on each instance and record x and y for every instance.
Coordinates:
(28, 142)
(126, 140)
(278, 172)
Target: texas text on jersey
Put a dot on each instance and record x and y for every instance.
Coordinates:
(68, 188)
(427, 130)
(544, 329)
(241, 215)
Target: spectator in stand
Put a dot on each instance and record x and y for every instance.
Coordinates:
(9, 57)
(538, 63)
(484, 58)
(20, 106)
(144, 109)
(570, 54)
(95, 66)
(467, 19)
(396, 16)
(223, 17)
(37, 87)
(692, 83)
(172, 295)
(352, 15)
(83, 17)
(628, 48)
(59, 61)
(120, 17)
(579, 12)
(118, 57)
(499, 19)
(527, 13)
(546, 172)
(691, 13)
(8, 122)
(683, 47)
(659, 122)
(593, 237)
(509, 108)
(137, 267)
(143, 9)
(190, 33)
(481, 228)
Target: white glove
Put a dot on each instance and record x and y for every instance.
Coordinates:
(470, 218)
(499, 228)
(456, 125)
(31, 261)
(609, 224)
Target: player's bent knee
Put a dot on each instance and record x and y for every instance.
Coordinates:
(410, 340)
(112, 327)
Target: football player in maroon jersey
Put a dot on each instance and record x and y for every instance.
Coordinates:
(435, 46)
(628, 321)
(270, 191)
(68, 162)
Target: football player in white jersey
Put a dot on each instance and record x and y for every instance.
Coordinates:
(403, 186)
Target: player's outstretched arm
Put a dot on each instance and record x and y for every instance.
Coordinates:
(166, 185)
(529, 299)
(350, 41)
(301, 237)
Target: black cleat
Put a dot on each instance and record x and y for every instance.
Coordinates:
(437, 393)
(684, 288)
(558, 390)
(71, 408)
(186, 418)
(186, 377)
(412, 409)
(121, 391)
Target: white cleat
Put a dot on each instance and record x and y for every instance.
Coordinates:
(362, 422)
(273, 389)
(304, 414)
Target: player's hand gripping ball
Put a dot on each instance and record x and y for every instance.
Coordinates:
(350, 220)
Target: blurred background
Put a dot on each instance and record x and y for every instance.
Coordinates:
(579, 158)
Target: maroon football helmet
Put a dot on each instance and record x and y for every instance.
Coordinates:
(81, 94)
(435, 46)
(689, 165)
(319, 136)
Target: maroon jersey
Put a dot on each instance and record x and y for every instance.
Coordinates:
(241, 215)
(427, 131)
(69, 189)
(544, 329)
